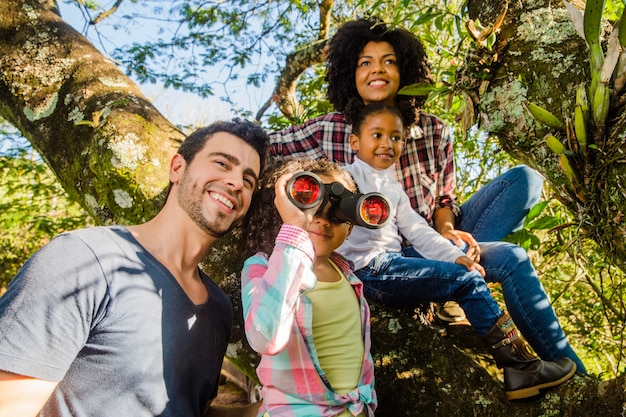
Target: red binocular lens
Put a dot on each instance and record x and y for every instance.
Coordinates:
(306, 190)
(374, 209)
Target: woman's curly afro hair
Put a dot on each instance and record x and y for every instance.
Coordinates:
(260, 227)
(343, 55)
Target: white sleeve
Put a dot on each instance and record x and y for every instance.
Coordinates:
(426, 240)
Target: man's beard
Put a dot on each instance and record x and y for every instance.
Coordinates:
(192, 204)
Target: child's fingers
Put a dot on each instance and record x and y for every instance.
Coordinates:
(470, 264)
(473, 252)
(288, 211)
(281, 183)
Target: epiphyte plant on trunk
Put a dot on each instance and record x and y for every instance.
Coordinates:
(586, 129)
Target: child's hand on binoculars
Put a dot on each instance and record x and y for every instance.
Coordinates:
(291, 214)
(470, 264)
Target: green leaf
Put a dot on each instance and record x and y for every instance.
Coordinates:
(524, 238)
(592, 21)
(536, 210)
(544, 223)
(421, 89)
(622, 29)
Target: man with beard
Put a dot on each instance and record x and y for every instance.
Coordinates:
(120, 321)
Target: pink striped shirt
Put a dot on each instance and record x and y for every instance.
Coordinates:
(278, 325)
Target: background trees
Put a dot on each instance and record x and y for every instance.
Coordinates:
(108, 145)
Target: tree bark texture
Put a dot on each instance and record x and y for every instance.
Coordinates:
(540, 58)
(109, 147)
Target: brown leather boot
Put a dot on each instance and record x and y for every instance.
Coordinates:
(524, 373)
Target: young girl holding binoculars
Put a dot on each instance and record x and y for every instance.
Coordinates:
(303, 307)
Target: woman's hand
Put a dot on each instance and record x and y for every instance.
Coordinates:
(461, 238)
(291, 214)
(470, 264)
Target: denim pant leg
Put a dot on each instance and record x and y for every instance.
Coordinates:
(500, 207)
(399, 281)
(526, 300)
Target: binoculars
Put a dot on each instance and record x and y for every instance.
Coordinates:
(371, 210)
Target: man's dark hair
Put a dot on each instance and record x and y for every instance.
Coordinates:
(249, 132)
(343, 55)
(370, 110)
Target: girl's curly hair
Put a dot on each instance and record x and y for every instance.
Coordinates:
(261, 225)
(342, 59)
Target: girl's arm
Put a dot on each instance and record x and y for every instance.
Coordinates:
(447, 209)
(271, 287)
(444, 220)
(429, 243)
(271, 290)
(426, 240)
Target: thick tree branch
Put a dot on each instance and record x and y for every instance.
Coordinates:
(104, 140)
(295, 64)
(106, 13)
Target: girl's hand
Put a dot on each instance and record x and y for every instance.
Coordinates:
(470, 264)
(461, 238)
(291, 214)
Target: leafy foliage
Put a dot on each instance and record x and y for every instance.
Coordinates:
(588, 292)
(33, 209)
(198, 46)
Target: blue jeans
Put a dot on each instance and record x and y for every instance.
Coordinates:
(501, 206)
(492, 213)
(406, 280)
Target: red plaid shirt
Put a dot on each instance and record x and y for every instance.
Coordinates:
(426, 166)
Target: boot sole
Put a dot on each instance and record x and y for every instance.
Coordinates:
(533, 391)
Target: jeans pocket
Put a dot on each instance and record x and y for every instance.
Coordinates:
(380, 264)
(378, 280)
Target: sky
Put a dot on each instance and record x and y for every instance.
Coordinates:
(178, 107)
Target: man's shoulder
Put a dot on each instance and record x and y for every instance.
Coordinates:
(98, 242)
(96, 235)
(94, 231)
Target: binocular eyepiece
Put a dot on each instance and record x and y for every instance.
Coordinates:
(371, 210)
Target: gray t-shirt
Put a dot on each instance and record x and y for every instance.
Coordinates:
(94, 310)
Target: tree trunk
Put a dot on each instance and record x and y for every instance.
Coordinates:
(110, 148)
(421, 373)
(541, 59)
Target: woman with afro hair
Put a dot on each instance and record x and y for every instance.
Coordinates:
(368, 62)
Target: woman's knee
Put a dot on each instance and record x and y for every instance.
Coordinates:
(528, 179)
(502, 260)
